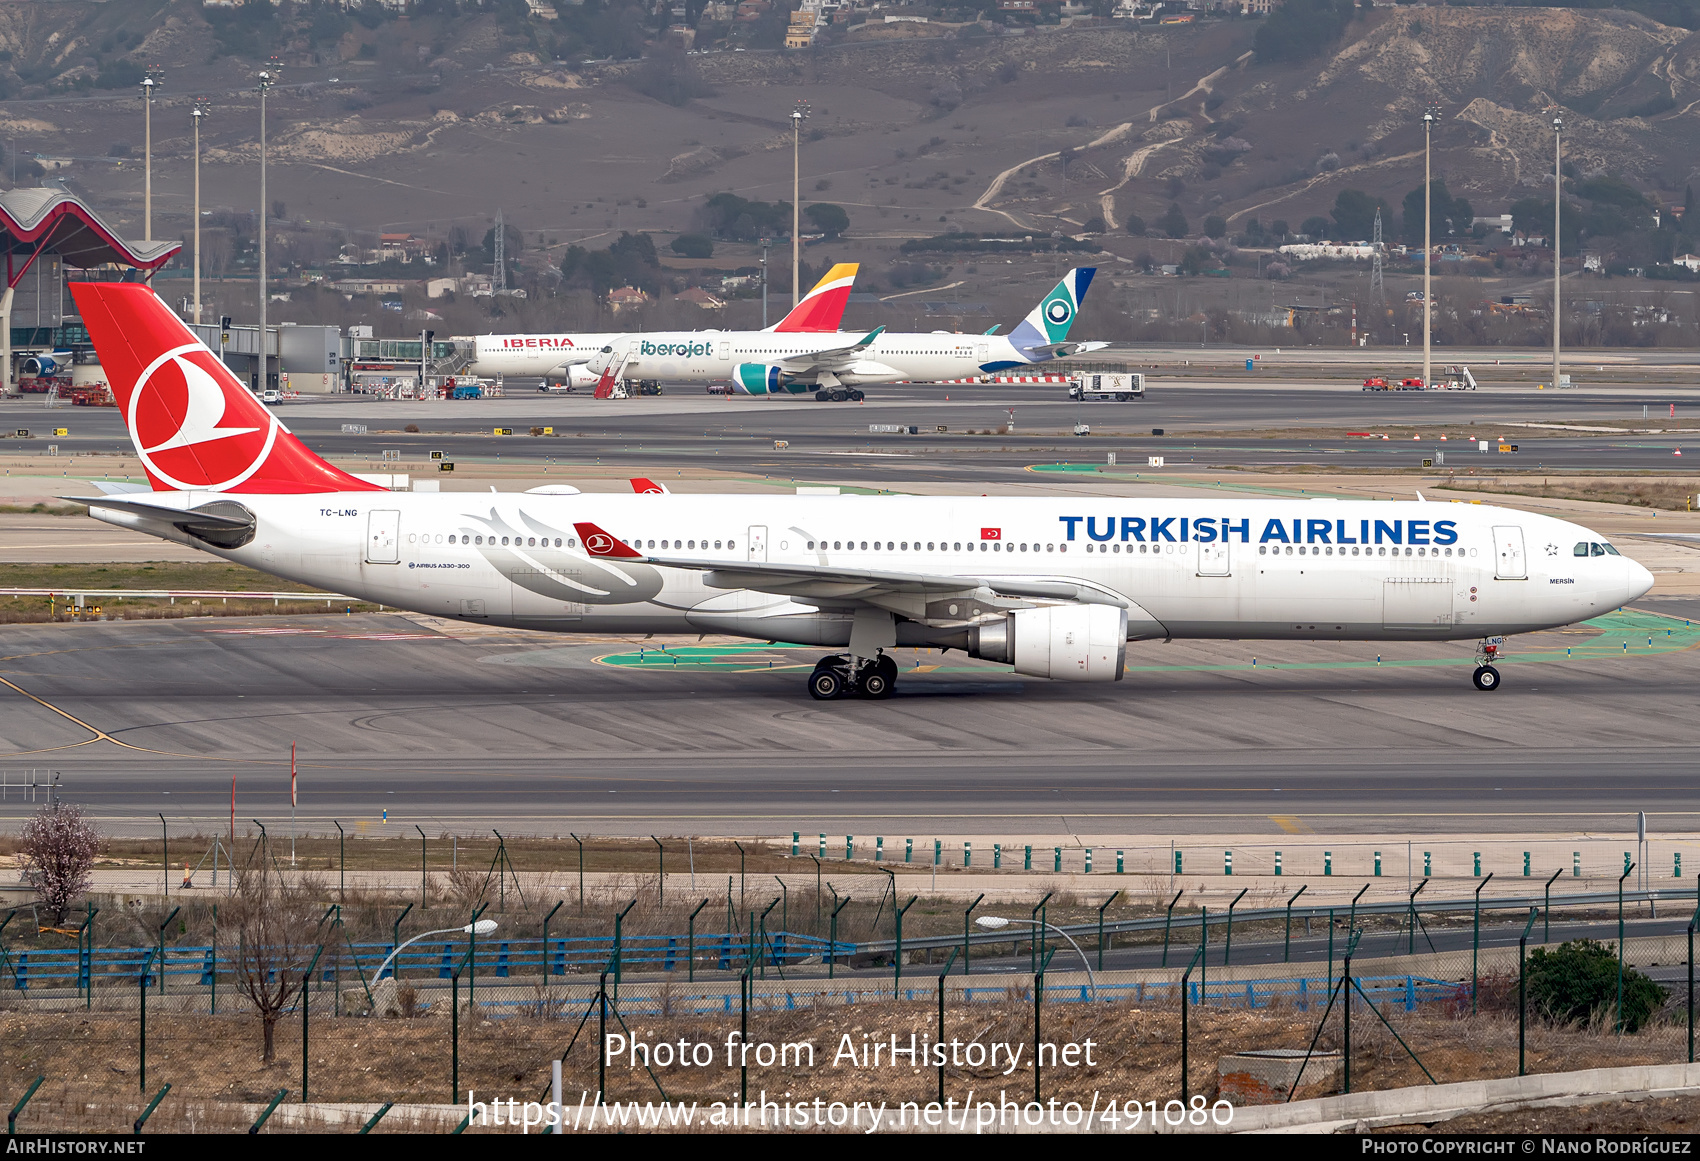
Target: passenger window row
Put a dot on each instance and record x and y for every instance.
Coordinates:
(1383, 550)
(517, 541)
(931, 546)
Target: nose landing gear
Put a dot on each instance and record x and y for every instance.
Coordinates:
(875, 678)
(1486, 677)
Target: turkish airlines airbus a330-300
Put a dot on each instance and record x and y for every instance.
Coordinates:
(1055, 587)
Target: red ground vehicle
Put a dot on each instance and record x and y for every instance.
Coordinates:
(1410, 384)
(1375, 383)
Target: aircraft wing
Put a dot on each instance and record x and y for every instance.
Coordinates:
(1059, 349)
(932, 598)
(831, 356)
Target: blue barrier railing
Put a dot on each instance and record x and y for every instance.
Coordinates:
(501, 958)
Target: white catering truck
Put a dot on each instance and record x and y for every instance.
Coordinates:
(1119, 386)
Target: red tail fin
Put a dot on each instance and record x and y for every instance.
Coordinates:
(195, 426)
(822, 309)
(600, 543)
(644, 486)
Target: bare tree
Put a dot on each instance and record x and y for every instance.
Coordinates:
(59, 850)
(275, 939)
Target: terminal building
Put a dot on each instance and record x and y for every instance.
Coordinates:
(44, 233)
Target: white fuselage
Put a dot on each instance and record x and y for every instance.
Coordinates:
(710, 357)
(540, 354)
(1186, 568)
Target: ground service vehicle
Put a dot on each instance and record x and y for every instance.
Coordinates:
(1119, 386)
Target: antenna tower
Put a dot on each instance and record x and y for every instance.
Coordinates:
(1376, 287)
(499, 279)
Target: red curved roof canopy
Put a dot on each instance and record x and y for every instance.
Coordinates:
(37, 220)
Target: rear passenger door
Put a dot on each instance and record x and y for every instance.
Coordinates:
(383, 536)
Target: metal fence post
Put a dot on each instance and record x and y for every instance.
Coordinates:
(1038, 1040)
(421, 864)
(1186, 1003)
(1287, 943)
(1694, 919)
(166, 922)
(619, 921)
(965, 918)
(1038, 931)
(1476, 942)
(691, 943)
(306, 1009)
(1106, 903)
(746, 985)
(341, 862)
(1546, 909)
(1346, 1012)
(12, 1117)
(1627, 868)
(602, 1034)
(660, 872)
(1168, 918)
(897, 959)
(136, 1125)
(1411, 917)
(558, 905)
(832, 956)
(1228, 951)
(1522, 986)
(940, 1039)
(142, 1039)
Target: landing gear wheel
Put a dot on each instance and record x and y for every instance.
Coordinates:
(822, 397)
(832, 661)
(886, 666)
(856, 396)
(826, 684)
(841, 396)
(876, 684)
(1486, 678)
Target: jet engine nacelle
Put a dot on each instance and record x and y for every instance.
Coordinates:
(759, 379)
(1064, 642)
(573, 375)
(39, 365)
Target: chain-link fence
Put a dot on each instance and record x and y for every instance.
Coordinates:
(456, 1006)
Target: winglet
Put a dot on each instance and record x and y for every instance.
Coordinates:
(868, 339)
(647, 487)
(602, 544)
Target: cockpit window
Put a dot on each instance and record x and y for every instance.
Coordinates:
(1599, 549)
(1581, 549)
(1610, 551)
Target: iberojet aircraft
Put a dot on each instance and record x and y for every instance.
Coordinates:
(562, 357)
(1055, 587)
(779, 364)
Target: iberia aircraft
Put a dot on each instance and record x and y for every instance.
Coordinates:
(560, 358)
(780, 364)
(1054, 586)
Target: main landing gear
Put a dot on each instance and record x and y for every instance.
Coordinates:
(1486, 676)
(875, 678)
(838, 395)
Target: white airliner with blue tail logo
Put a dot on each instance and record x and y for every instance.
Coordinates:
(836, 366)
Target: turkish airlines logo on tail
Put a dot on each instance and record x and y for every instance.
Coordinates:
(187, 418)
(600, 543)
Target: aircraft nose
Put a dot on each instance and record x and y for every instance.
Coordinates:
(1637, 581)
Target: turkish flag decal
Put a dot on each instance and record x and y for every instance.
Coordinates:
(991, 534)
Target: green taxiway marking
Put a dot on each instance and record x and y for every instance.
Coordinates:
(1625, 633)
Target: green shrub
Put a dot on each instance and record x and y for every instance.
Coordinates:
(1580, 979)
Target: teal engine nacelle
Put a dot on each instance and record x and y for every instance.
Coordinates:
(764, 379)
